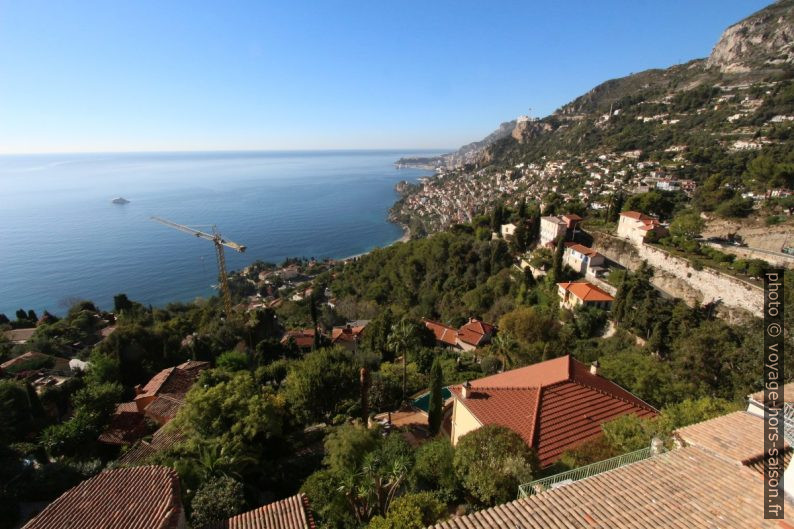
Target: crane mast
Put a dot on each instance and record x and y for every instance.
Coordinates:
(219, 242)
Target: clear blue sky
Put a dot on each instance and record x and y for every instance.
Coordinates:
(128, 75)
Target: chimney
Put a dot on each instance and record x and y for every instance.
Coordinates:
(657, 446)
(466, 389)
(594, 367)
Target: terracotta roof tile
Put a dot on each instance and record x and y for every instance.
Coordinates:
(127, 498)
(443, 333)
(291, 513)
(553, 405)
(584, 250)
(475, 332)
(636, 215)
(683, 489)
(586, 292)
(737, 437)
(126, 426)
(162, 439)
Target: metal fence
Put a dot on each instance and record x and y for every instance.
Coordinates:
(540, 485)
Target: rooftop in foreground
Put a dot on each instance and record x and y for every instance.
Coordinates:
(705, 484)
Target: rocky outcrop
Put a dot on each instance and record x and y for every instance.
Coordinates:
(763, 40)
(526, 130)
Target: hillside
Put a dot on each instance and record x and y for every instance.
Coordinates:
(721, 123)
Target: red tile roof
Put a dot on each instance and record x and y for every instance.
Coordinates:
(291, 513)
(553, 405)
(584, 250)
(586, 292)
(686, 488)
(160, 398)
(475, 332)
(127, 498)
(572, 216)
(58, 363)
(636, 215)
(304, 338)
(166, 437)
(126, 426)
(443, 333)
(346, 334)
(737, 437)
(699, 486)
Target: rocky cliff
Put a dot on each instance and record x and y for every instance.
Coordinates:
(763, 40)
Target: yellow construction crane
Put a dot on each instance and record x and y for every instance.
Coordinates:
(219, 242)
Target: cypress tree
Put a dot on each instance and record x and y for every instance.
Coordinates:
(436, 399)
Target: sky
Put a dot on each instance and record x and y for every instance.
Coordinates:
(124, 75)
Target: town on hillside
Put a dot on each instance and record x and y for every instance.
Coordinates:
(572, 336)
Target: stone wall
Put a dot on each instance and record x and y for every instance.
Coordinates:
(676, 277)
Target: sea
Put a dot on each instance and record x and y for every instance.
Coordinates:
(62, 239)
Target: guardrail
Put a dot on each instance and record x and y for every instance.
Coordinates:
(540, 485)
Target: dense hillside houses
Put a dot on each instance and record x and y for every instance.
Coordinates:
(553, 405)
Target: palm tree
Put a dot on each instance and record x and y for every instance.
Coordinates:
(402, 338)
(504, 345)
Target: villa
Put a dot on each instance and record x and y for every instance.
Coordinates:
(638, 227)
(471, 335)
(554, 405)
(582, 293)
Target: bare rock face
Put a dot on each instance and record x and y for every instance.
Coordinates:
(763, 40)
(526, 130)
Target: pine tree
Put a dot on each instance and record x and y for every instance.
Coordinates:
(557, 269)
(436, 399)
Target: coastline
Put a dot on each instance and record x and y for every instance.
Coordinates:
(406, 236)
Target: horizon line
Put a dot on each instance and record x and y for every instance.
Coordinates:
(219, 151)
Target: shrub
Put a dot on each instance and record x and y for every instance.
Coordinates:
(217, 499)
(434, 469)
(413, 510)
(491, 462)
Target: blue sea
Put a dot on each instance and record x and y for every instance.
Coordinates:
(62, 239)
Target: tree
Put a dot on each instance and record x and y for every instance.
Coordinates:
(401, 339)
(491, 462)
(233, 361)
(687, 224)
(121, 303)
(557, 264)
(434, 468)
(436, 399)
(346, 446)
(216, 500)
(322, 385)
(232, 410)
(413, 510)
(16, 413)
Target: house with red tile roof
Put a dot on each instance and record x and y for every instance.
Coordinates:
(638, 227)
(711, 479)
(126, 498)
(471, 335)
(303, 338)
(582, 293)
(348, 336)
(580, 258)
(158, 401)
(554, 405)
(290, 513)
